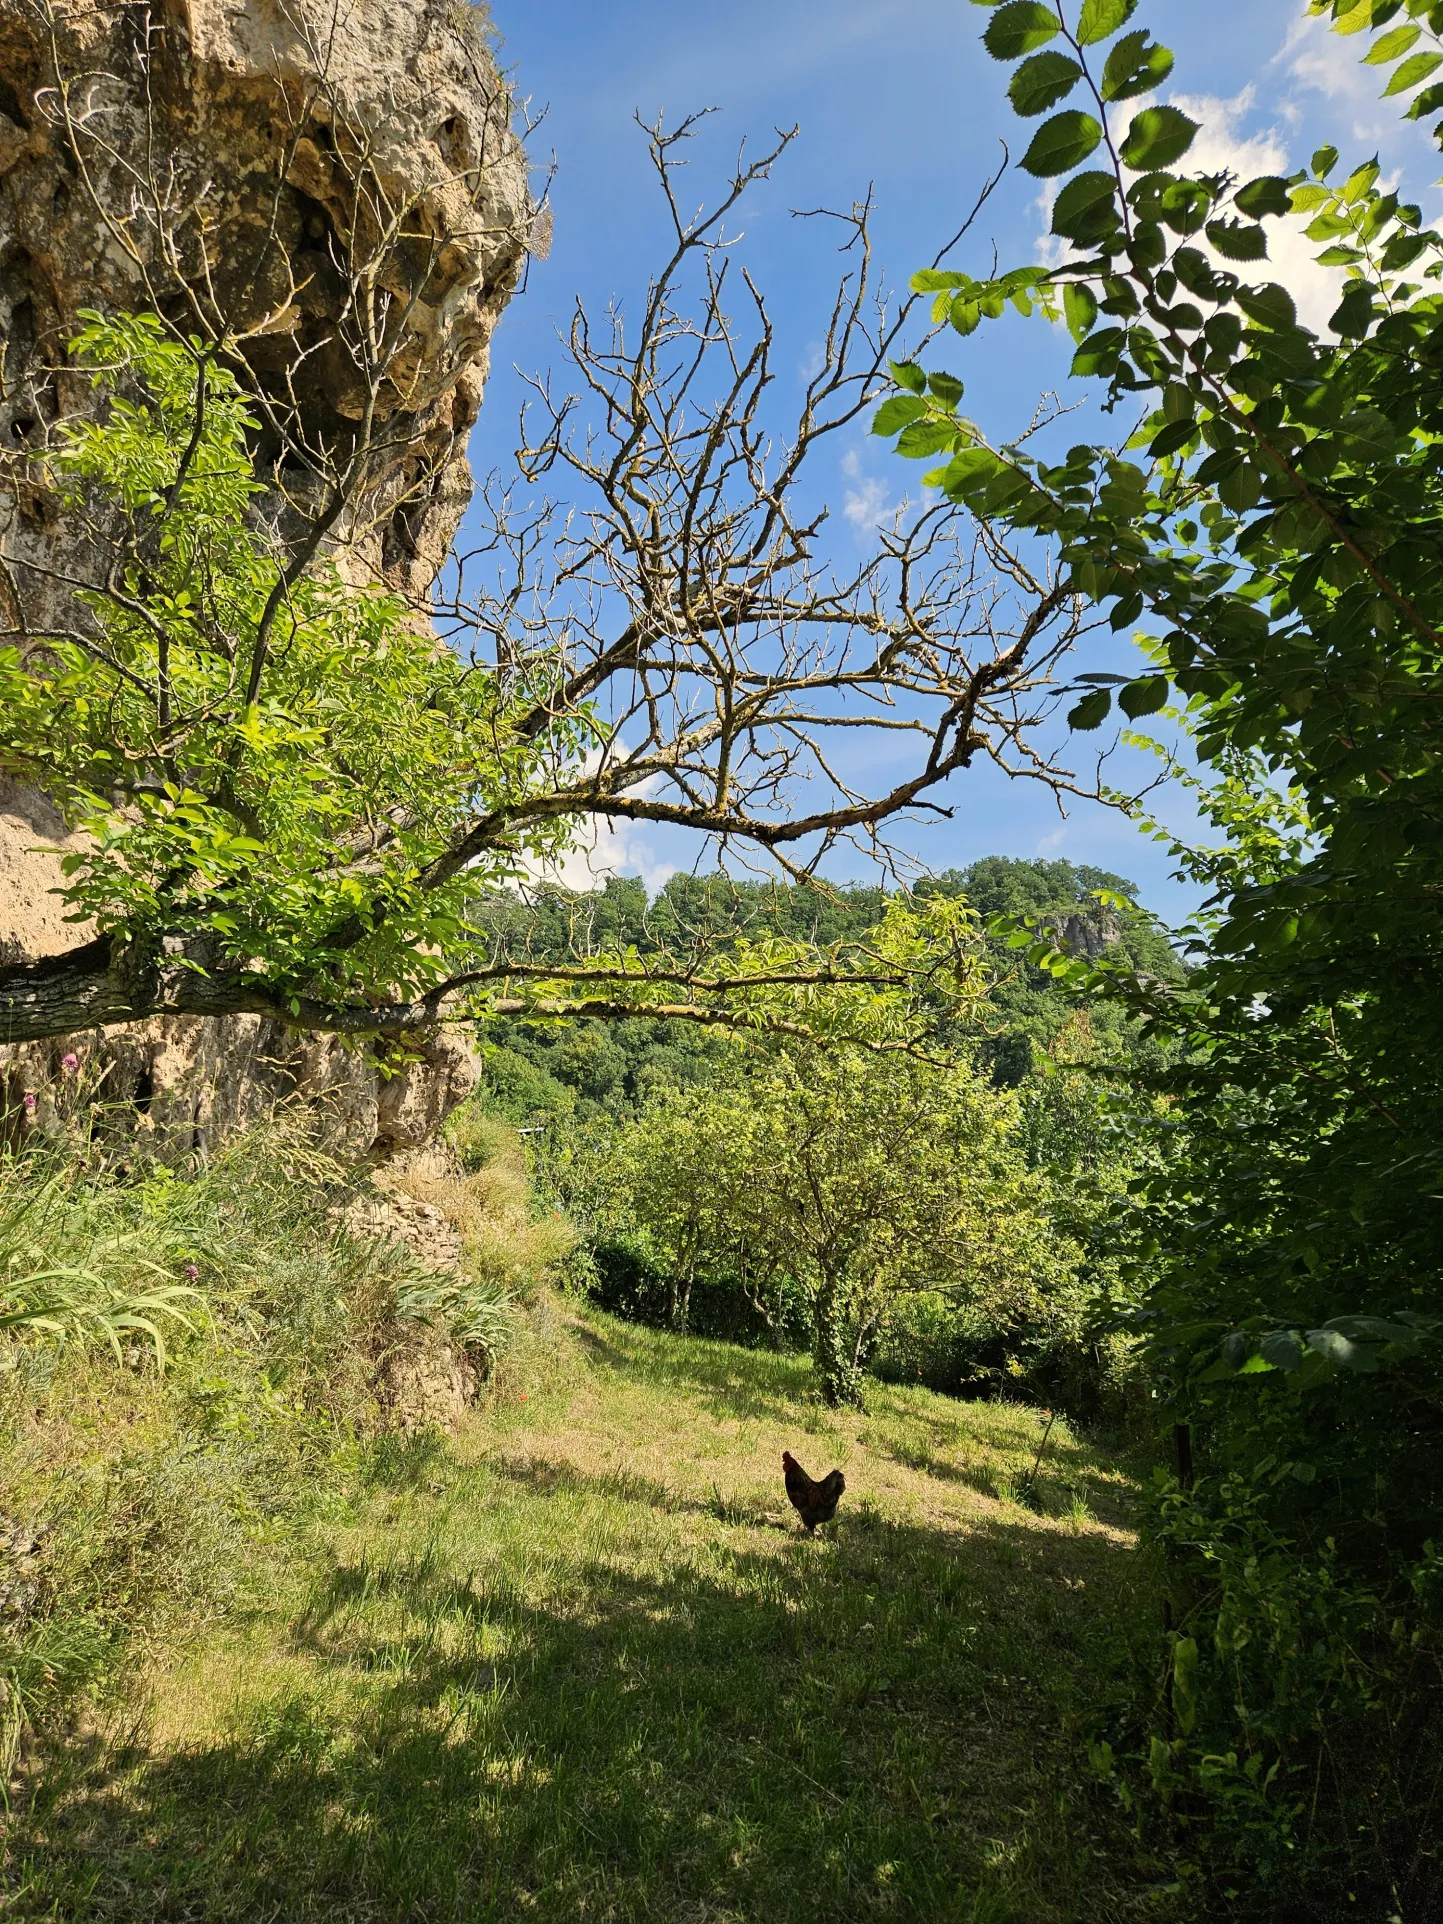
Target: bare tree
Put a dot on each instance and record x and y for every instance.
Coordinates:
(667, 642)
(678, 584)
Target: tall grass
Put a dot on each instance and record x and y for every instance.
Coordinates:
(188, 1369)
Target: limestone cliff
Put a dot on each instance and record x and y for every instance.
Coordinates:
(215, 162)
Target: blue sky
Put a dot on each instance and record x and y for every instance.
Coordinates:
(898, 95)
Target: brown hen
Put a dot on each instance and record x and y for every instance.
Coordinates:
(813, 1502)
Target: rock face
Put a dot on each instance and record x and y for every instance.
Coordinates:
(232, 166)
(242, 168)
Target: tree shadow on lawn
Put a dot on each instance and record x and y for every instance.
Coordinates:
(1065, 1469)
(882, 1723)
(724, 1379)
(721, 1375)
(543, 1477)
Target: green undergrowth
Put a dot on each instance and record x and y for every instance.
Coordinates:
(579, 1662)
(193, 1367)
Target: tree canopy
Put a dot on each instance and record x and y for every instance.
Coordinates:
(1270, 515)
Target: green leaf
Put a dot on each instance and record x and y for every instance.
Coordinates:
(1343, 1351)
(1091, 711)
(1062, 143)
(947, 388)
(1324, 161)
(1079, 306)
(907, 374)
(1135, 66)
(1184, 1686)
(1379, 1328)
(1412, 72)
(1237, 240)
(1168, 440)
(966, 474)
(896, 412)
(1368, 435)
(1080, 202)
(1268, 194)
(1270, 306)
(1353, 315)
(1098, 353)
(1283, 1348)
(1157, 137)
(1018, 28)
(1039, 83)
(1240, 489)
(926, 437)
(1100, 19)
(1143, 697)
(1390, 46)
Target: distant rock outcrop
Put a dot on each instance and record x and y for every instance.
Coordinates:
(209, 153)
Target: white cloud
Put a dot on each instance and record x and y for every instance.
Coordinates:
(1222, 145)
(1323, 62)
(1050, 844)
(869, 503)
(1220, 142)
(607, 847)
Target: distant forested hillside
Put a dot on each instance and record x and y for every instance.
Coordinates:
(540, 1069)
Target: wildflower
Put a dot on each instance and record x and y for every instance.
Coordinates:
(70, 1062)
(29, 1102)
(192, 1273)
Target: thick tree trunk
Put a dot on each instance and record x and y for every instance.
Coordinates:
(108, 980)
(84, 988)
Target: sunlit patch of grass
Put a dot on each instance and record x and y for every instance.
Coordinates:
(581, 1662)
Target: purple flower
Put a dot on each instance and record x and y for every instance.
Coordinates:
(29, 1102)
(192, 1272)
(70, 1062)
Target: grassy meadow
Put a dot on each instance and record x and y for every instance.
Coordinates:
(578, 1661)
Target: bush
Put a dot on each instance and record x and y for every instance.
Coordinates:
(1299, 1752)
(959, 1349)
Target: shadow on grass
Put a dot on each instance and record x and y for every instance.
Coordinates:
(1067, 1466)
(543, 1477)
(822, 1731)
(754, 1386)
(731, 1383)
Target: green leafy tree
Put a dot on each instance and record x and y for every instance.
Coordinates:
(864, 1179)
(295, 793)
(1271, 515)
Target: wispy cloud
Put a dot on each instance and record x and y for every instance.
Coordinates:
(869, 503)
(1319, 61)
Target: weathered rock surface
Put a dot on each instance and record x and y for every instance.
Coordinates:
(204, 160)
